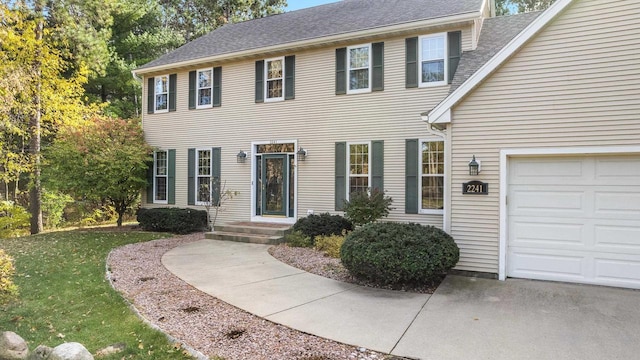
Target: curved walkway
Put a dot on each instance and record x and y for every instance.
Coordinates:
(466, 318)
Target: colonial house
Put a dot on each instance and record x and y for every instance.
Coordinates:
(518, 135)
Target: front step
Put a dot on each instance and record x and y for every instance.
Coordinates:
(255, 233)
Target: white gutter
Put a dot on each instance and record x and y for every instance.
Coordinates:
(387, 30)
(442, 112)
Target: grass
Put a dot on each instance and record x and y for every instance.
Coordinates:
(64, 296)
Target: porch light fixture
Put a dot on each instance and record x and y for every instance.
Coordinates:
(241, 157)
(302, 154)
(474, 166)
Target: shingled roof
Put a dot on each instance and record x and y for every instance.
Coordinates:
(496, 34)
(342, 17)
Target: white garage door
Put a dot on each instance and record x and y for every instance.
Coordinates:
(575, 219)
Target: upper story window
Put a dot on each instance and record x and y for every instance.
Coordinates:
(160, 177)
(432, 176)
(359, 62)
(161, 93)
(274, 75)
(432, 60)
(275, 79)
(205, 88)
(433, 67)
(203, 175)
(360, 69)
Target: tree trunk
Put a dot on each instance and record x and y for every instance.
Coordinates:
(34, 127)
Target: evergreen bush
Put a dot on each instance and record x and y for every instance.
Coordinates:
(323, 224)
(174, 220)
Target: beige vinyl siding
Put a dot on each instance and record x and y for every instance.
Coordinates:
(317, 118)
(575, 84)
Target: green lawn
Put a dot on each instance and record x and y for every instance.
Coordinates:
(64, 296)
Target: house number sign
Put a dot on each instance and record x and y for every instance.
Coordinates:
(475, 188)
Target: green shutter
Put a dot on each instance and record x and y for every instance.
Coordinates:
(455, 50)
(341, 175)
(173, 79)
(260, 81)
(192, 90)
(191, 177)
(290, 77)
(151, 106)
(171, 197)
(341, 71)
(217, 86)
(216, 159)
(411, 60)
(377, 165)
(411, 176)
(150, 182)
(378, 66)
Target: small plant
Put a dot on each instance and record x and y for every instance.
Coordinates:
(364, 208)
(174, 220)
(7, 288)
(14, 219)
(223, 196)
(298, 239)
(330, 244)
(323, 224)
(399, 254)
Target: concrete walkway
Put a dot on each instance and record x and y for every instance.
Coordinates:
(466, 318)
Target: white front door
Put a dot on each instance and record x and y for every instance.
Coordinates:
(575, 219)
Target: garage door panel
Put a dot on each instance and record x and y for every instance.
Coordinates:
(621, 271)
(544, 232)
(575, 219)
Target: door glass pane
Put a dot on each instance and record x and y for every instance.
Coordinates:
(292, 177)
(274, 186)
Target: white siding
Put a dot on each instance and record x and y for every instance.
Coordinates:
(577, 83)
(317, 118)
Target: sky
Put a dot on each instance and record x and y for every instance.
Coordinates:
(300, 4)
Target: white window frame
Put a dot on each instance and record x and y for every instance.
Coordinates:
(421, 175)
(155, 94)
(349, 69)
(198, 176)
(156, 176)
(348, 188)
(266, 79)
(198, 88)
(444, 59)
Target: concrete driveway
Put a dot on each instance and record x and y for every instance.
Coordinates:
(466, 318)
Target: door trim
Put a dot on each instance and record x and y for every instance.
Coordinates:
(253, 156)
(507, 154)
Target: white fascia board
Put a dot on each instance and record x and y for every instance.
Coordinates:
(399, 28)
(437, 114)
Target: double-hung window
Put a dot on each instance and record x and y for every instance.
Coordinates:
(203, 175)
(205, 88)
(433, 52)
(160, 177)
(359, 165)
(359, 63)
(161, 93)
(431, 176)
(274, 76)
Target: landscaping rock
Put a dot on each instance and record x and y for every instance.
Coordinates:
(40, 353)
(12, 346)
(70, 351)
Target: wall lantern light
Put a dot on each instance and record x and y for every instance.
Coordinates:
(302, 154)
(474, 166)
(241, 157)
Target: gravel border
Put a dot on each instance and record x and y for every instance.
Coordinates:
(207, 324)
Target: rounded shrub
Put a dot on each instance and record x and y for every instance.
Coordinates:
(395, 253)
(323, 224)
